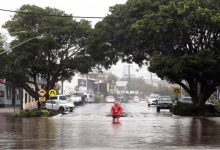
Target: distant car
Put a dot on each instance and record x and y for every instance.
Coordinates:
(136, 99)
(188, 100)
(58, 105)
(153, 98)
(75, 99)
(89, 98)
(110, 99)
(164, 102)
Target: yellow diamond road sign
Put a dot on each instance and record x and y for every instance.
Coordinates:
(176, 90)
(42, 92)
(52, 92)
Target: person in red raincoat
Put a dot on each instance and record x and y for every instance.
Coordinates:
(116, 111)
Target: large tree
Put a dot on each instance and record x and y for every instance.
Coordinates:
(57, 52)
(178, 39)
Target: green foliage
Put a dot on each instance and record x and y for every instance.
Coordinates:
(33, 113)
(58, 54)
(191, 110)
(179, 38)
(217, 104)
(1, 43)
(98, 99)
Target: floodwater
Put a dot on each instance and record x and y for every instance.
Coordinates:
(91, 127)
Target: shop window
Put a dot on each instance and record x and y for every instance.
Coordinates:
(8, 92)
(25, 98)
(2, 94)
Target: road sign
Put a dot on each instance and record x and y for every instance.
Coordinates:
(42, 99)
(52, 92)
(42, 92)
(176, 90)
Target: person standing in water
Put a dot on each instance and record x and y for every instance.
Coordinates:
(116, 112)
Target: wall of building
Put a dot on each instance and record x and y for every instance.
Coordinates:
(6, 95)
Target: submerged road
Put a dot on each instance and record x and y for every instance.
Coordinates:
(91, 127)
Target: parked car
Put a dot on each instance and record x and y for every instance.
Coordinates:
(153, 98)
(110, 99)
(188, 100)
(58, 105)
(164, 102)
(136, 99)
(89, 98)
(62, 98)
(75, 99)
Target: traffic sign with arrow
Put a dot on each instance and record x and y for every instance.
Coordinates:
(52, 92)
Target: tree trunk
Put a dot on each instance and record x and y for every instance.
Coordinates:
(200, 92)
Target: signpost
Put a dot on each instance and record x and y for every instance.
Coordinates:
(42, 97)
(42, 92)
(52, 92)
(176, 90)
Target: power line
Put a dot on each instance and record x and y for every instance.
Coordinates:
(50, 15)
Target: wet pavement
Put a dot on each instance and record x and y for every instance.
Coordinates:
(91, 127)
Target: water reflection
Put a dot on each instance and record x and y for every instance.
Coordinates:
(23, 133)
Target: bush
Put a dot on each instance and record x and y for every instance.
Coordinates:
(190, 110)
(98, 99)
(32, 113)
(217, 104)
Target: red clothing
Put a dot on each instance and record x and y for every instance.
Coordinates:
(116, 110)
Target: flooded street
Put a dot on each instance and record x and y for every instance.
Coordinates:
(90, 127)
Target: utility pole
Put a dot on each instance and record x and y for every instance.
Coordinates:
(129, 81)
(87, 88)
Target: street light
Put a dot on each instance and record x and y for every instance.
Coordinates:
(20, 44)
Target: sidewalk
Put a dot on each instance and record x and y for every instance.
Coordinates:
(8, 110)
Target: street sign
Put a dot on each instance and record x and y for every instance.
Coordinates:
(42, 99)
(42, 92)
(176, 90)
(52, 92)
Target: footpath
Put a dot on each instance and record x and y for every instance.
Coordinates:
(8, 110)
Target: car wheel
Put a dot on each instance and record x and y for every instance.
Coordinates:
(158, 109)
(61, 109)
(148, 105)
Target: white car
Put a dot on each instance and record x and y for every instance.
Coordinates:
(59, 105)
(62, 98)
(110, 99)
(136, 99)
(153, 98)
(188, 100)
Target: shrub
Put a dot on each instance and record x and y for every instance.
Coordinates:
(98, 99)
(190, 110)
(32, 113)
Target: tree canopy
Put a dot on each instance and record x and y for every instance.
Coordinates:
(178, 39)
(55, 49)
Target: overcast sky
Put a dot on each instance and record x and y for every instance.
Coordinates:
(93, 8)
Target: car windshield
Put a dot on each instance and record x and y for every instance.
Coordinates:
(187, 99)
(53, 98)
(165, 98)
